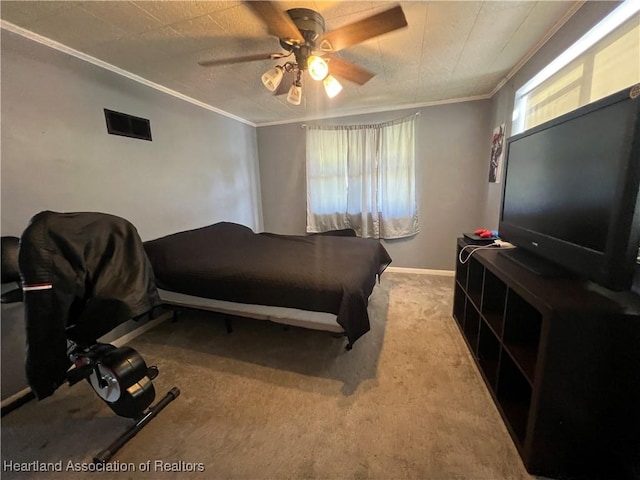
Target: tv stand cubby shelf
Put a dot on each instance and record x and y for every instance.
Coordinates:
(561, 359)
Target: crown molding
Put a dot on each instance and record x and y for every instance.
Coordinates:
(363, 111)
(112, 68)
(124, 73)
(550, 33)
(366, 111)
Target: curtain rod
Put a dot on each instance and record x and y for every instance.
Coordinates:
(304, 125)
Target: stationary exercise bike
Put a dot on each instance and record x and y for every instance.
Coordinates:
(80, 275)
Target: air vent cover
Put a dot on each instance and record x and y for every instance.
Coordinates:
(127, 125)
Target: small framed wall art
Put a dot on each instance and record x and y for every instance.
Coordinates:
(497, 152)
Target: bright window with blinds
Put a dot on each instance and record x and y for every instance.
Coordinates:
(601, 63)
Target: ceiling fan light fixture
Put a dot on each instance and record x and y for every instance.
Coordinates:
(332, 87)
(295, 94)
(301, 32)
(271, 78)
(318, 68)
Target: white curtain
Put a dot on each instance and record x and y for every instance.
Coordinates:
(362, 177)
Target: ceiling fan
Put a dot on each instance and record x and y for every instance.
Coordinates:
(301, 32)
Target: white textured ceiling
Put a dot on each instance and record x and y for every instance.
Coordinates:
(450, 50)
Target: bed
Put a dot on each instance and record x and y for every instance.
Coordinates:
(313, 281)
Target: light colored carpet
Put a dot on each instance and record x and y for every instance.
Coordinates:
(268, 403)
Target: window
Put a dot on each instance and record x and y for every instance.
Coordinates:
(362, 177)
(602, 62)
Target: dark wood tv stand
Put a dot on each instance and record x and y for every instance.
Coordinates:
(561, 358)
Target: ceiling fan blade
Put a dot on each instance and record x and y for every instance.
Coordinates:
(247, 58)
(357, 32)
(277, 21)
(349, 71)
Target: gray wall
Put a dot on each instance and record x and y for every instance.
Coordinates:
(201, 167)
(453, 156)
(502, 102)
(452, 168)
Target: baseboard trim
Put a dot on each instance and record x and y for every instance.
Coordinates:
(421, 271)
(15, 397)
(118, 342)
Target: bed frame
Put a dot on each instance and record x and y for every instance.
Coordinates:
(246, 271)
(283, 315)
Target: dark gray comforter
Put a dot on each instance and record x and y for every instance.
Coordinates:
(226, 261)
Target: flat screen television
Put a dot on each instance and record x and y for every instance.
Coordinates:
(570, 196)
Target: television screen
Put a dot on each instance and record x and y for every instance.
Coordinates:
(571, 190)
